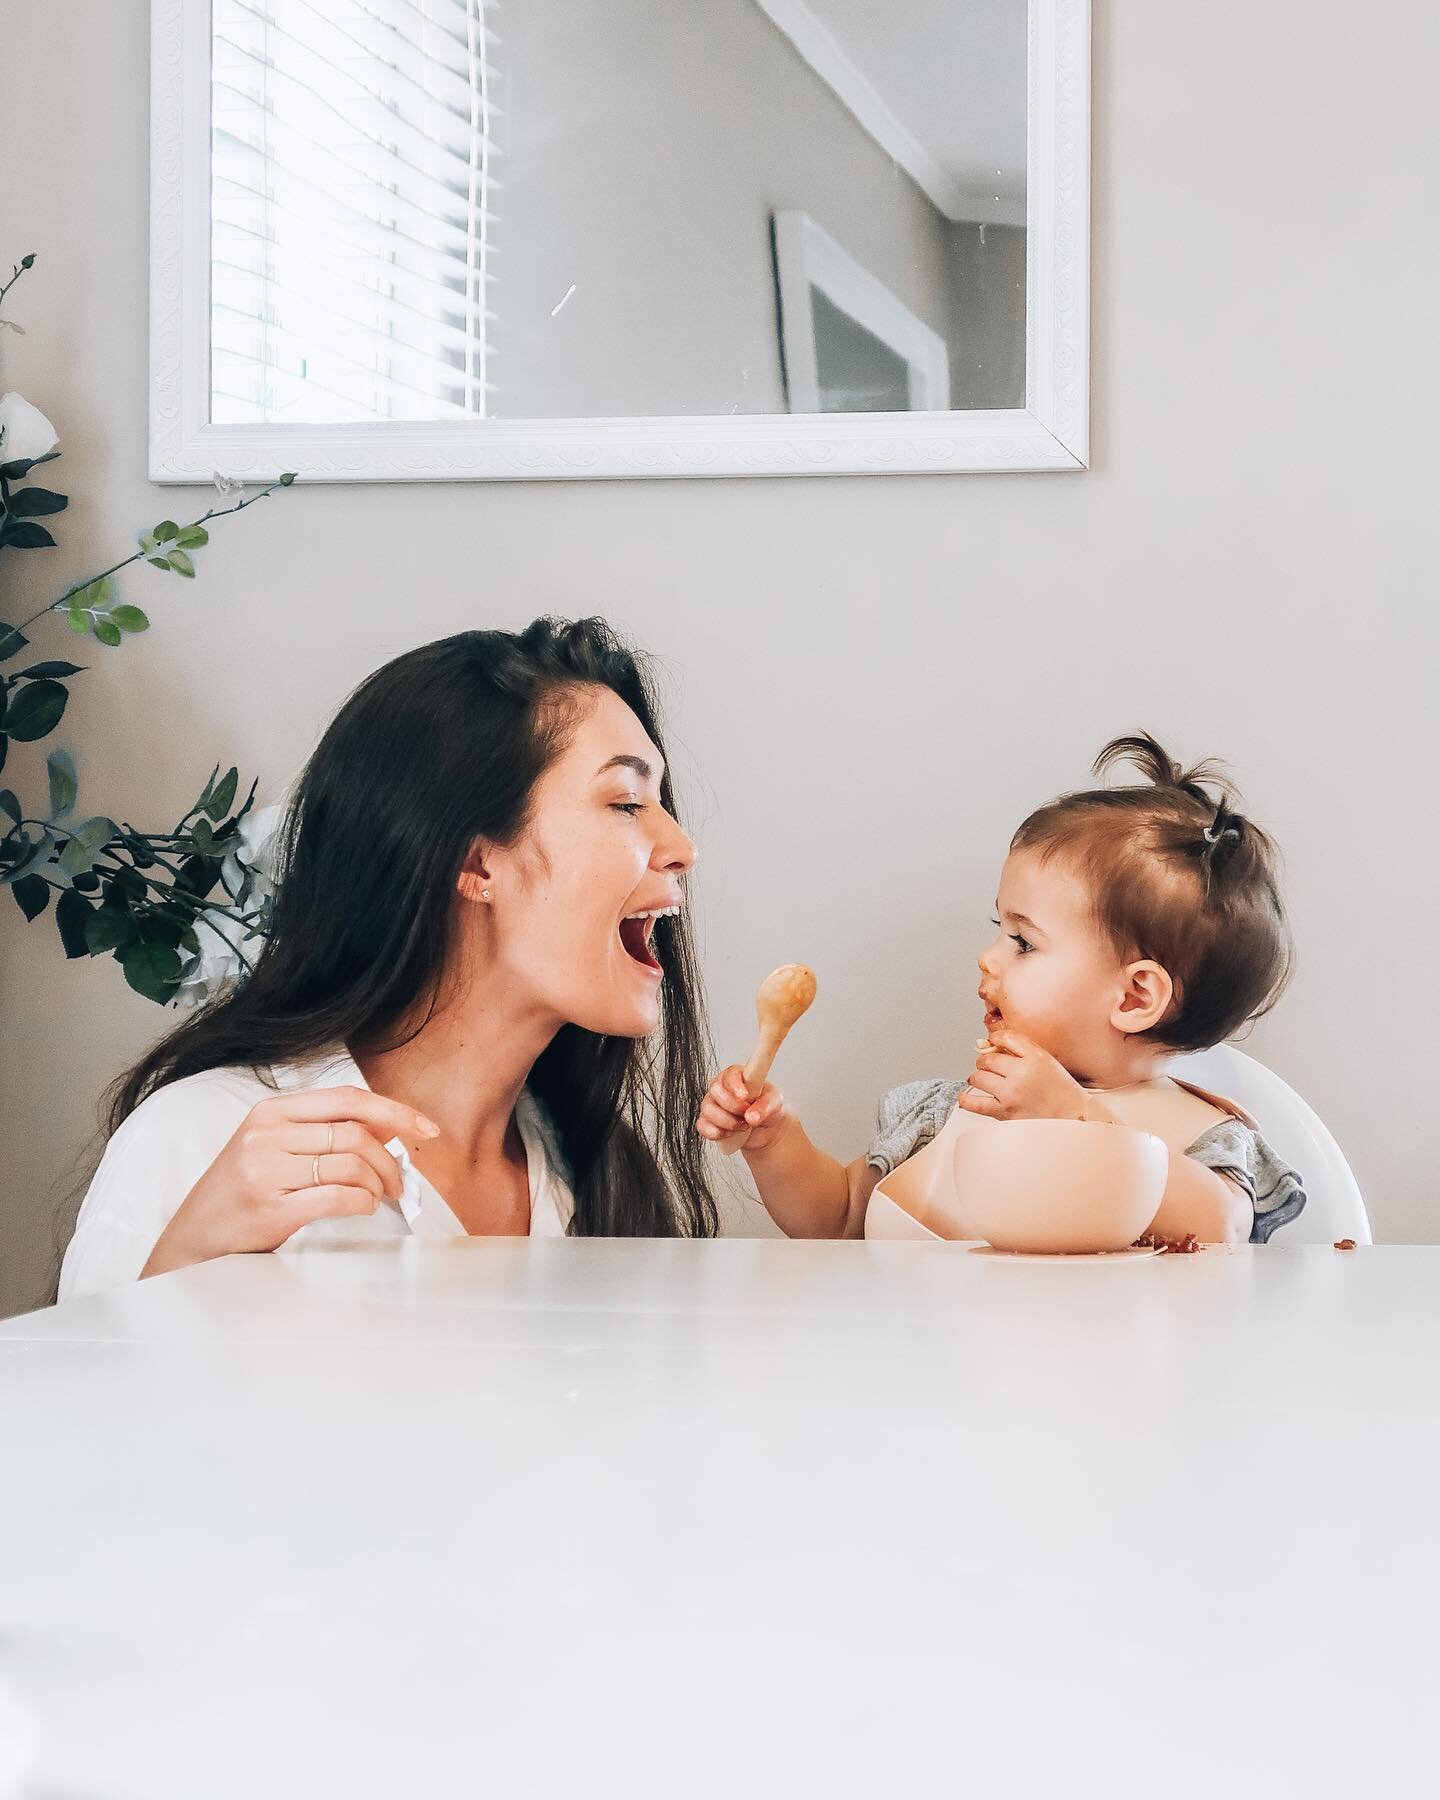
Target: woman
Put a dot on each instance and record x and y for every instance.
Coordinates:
(479, 926)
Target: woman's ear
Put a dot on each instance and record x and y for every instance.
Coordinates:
(1146, 999)
(473, 881)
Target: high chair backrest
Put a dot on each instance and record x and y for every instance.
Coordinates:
(1333, 1207)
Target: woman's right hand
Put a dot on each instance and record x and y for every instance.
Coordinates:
(728, 1111)
(263, 1185)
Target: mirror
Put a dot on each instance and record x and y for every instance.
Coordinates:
(411, 238)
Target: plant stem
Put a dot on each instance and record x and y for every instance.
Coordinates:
(19, 270)
(178, 896)
(216, 512)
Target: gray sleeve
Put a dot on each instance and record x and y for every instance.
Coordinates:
(1276, 1191)
(909, 1118)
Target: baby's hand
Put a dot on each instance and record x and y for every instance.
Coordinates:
(728, 1111)
(1015, 1079)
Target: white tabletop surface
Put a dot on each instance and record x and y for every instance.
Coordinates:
(514, 1518)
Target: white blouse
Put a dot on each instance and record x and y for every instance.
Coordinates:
(171, 1139)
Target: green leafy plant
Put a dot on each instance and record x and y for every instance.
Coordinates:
(171, 905)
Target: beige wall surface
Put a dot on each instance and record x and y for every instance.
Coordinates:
(871, 680)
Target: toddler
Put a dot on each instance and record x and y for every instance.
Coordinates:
(1133, 923)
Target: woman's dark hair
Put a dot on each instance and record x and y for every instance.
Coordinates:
(1177, 876)
(442, 746)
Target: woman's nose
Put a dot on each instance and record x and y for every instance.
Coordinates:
(675, 852)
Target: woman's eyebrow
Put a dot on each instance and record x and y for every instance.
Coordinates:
(637, 763)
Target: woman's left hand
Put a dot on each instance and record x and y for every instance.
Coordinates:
(1015, 1079)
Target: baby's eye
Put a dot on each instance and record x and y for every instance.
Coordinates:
(1023, 945)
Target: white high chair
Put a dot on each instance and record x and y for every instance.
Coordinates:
(1334, 1207)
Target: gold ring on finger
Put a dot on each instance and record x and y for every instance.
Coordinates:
(314, 1171)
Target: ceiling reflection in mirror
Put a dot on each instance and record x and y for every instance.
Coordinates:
(448, 209)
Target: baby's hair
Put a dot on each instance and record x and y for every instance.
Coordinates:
(1179, 877)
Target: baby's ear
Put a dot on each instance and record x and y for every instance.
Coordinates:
(1145, 1000)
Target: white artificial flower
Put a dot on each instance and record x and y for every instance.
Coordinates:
(225, 485)
(25, 432)
(217, 965)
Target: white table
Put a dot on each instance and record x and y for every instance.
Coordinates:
(514, 1518)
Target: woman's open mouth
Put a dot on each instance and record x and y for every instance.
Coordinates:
(636, 933)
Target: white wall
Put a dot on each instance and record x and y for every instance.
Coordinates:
(877, 677)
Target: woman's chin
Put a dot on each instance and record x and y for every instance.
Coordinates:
(622, 1022)
(631, 1009)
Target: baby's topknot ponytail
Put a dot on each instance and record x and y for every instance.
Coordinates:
(1219, 824)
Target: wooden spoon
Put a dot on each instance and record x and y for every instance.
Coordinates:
(785, 995)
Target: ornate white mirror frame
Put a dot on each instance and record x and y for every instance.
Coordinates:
(1049, 432)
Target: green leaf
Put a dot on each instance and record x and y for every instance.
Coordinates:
(49, 671)
(109, 929)
(32, 895)
(203, 838)
(285, 480)
(23, 535)
(85, 844)
(180, 562)
(166, 531)
(9, 804)
(158, 562)
(62, 782)
(197, 875)
(79, 619)
(72, 914)
(106, 630)
(152, 969)
(36, 503)
(12, 642)
(138, 848)
(4, 747)
(130, 618)
(85, 884)
(36, 710)
(193, 537)
(26, 852)
(22, 465)
(164, 925)
(220, 801)
(93, 593)
(125, 888)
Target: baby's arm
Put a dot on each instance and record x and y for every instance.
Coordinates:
(807, 1192)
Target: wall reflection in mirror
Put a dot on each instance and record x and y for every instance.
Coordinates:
(447, 209)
